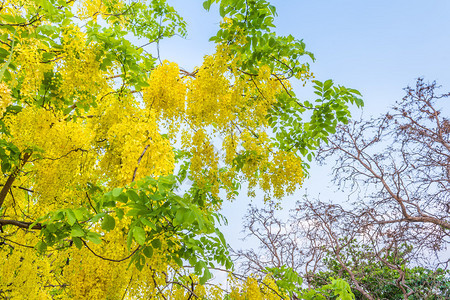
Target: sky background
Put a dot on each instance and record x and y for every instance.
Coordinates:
(377, 47)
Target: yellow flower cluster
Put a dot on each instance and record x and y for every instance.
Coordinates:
(30, 71)
(256, 151)
(91, 9)
(90, 277)
(62, 151)
(235, 106)
(278, 173)
(252, 289)
(209, 100)
(284, 174)
(80, 71)
(266, 88)
(204, 161)
(134, 146)
(166, 92)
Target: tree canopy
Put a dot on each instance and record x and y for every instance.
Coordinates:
(98, 137)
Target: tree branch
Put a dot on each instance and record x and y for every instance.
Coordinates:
(12, 177)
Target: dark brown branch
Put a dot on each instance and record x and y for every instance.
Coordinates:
(16, 243)
(90, 203)
(65, 155)
(21, 224)
(21, 188)
(12, 177)
(110, 259)
(138, 162)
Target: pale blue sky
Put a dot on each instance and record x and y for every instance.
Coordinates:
(377, 47)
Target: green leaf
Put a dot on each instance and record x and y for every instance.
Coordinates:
(133, 195)
(134, 212)
(148, 251)
(77, 241)
(206, 276)
(108, 223)
(193, 260)
(97, 217)
(327, 84)
(198, 267)
(41, 246)
(77, 231)
(189, 217)
(94, 237)
(148, 223)
(71, 218)
(116, 192)
(179, 217)
(122, 198)
(79, 214)
(156, 243)
(129, 239)
(178, 261)
(139, 235)
(120, 213)
(207, 4)
(6, 166)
